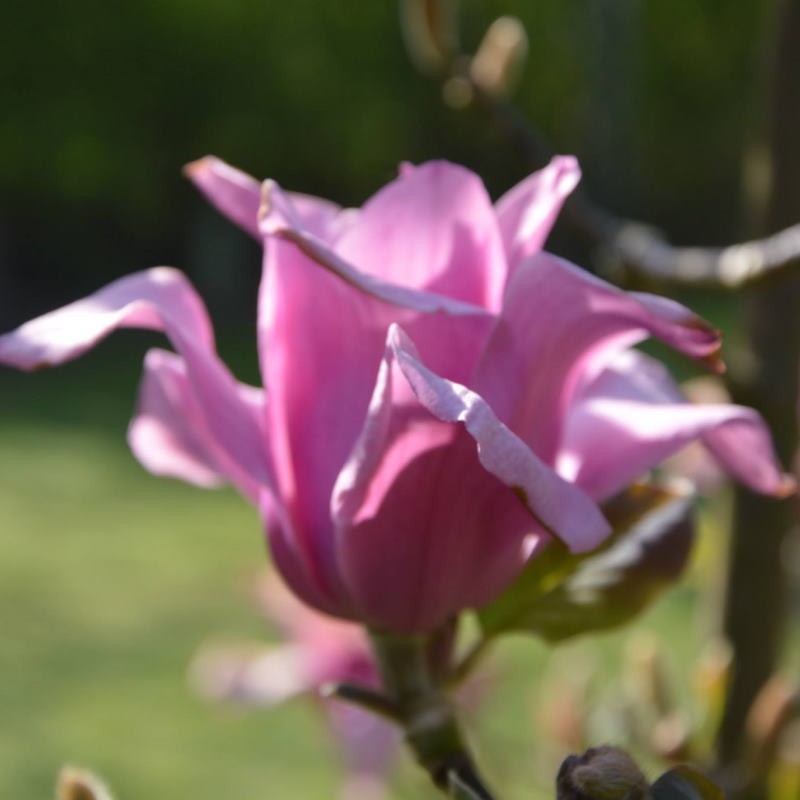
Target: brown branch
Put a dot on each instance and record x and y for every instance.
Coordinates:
(621, 244)
(624, 244)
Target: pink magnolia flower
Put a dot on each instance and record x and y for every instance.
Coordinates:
(439, 393)
(317, 651)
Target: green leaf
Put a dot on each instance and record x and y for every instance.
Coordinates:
(560, 595)
(459, 790)
(685, 783)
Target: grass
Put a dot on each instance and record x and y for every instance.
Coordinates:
(110, 579)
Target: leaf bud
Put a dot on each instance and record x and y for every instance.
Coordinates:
(601, 773)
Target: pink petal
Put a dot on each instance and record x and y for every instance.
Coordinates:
(157, 299)
(169, 434)
(633, 416)
(428, 526)
(280, 220)
(334, 651)
(252, 675)
(237, 196)
(527, 212)
(557, 329)
(307, 574)
(368, 745)
(233, 193)
(321, 340)
(432, 228)
(322, 218)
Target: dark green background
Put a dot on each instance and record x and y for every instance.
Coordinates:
(103, 102)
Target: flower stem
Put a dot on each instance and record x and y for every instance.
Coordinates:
(425, 713)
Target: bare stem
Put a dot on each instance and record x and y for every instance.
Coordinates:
(425, 713)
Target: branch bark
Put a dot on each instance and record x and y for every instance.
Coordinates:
(623, 244)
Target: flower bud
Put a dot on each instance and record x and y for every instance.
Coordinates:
(80, 784)
(601, 773)
(500, 57)
(430, 32)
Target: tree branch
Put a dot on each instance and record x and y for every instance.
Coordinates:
(631, 245)
(621, 244)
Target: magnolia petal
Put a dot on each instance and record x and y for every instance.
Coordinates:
(249, 674)
(562, 510)
(237, 196)
(321, 340)
(368, 745)
(633, 416)
(527, 213)
(279, 219)
(158, 299)
(425, 524)
(294, 557)
(169, 434)
(334, 651)
(433, 227)
(558, 327)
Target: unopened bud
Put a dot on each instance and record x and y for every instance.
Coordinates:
(80, 784)
(430, 32)
(500, 57)
(601, 773)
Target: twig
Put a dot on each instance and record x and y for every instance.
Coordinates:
(636, 246)
(361, 696)
(621, 244)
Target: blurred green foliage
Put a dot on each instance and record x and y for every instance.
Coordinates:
(104, 102)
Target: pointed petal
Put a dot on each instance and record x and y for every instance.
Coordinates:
(169, 434)
(428, 524)
(633, 416)
(558, 327)
(158, 299)
(527, 212)
(433, 227)
(237, 196)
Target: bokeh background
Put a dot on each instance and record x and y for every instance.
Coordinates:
(109, 578)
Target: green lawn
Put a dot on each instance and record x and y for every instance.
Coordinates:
(109, 580)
